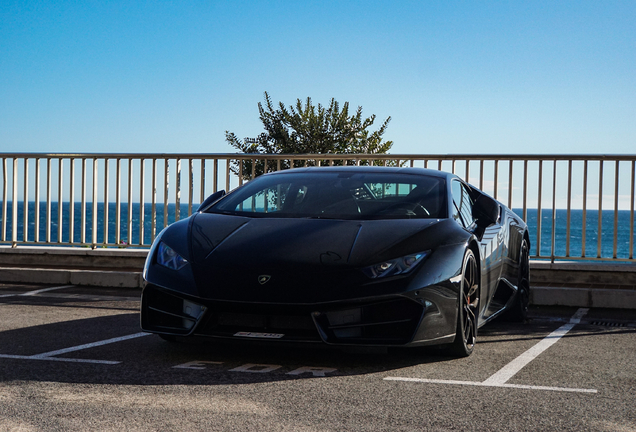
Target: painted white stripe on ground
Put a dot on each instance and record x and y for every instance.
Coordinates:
(89, 345)
(484, 384)
(509, 370)
(31, 293)
(35, 292)
(19, 357)
(500, 378)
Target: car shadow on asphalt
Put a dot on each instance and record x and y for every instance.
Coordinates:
(149, 360)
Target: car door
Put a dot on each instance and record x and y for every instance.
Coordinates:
(491, 243)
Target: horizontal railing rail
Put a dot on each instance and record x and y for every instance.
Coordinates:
(576, 206)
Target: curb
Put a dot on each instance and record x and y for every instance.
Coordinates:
(583, 297)
(97, 278)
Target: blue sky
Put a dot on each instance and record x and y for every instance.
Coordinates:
(456, 77)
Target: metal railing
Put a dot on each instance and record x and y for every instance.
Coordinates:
(577, 206)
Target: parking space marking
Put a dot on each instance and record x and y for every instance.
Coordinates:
(72, 360)
(36, 292)
(484, 384)
(499, 378)
(50, 355)
(89, 345)
(510, 370)
(31, 293)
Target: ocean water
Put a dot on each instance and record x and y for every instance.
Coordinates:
(132, 236)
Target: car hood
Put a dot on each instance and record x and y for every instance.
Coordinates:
(327, 242)
(303, 260)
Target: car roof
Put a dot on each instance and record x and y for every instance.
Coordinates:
(367, 169)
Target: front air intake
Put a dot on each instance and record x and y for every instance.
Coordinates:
(164, 312)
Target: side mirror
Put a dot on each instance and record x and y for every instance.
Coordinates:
(211, 199)
(486, 210)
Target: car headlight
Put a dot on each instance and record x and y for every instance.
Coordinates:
(167, 257)
(395, 266)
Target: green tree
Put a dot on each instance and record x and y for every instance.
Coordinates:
(309, 129)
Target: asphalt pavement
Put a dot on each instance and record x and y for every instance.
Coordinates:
(74, 358)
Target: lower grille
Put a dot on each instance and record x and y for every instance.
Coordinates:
(293, 326)
(386, 322)
(390, 322)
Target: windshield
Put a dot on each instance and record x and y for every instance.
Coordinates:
(338, 195)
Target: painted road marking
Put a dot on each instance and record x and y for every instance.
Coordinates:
(511, 369)
(315, 371)
(257, 368)
(36, 292)
(90, 345)
(196, 364)
(72, 360)
(483, 384)
(499, 378)
(49, 355)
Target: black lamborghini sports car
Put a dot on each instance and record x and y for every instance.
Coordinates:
(347, 256)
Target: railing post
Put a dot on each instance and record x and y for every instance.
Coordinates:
(569, 205)
(71, 200)
(177, 210)
(106, 212)
(4, 198)
(600, 209)
(48, 200)
(94, 207)
(584, 205)
(615, 209)
(554, 182)
(166, 173)
(142, 200)
(539, 210)
(60, 199)
(83, 227)
(153, 211)
(14, 204)
(25, 203)
(118, 202)
(129, 240)
(202, 195)
(190, 185)
(631, 207)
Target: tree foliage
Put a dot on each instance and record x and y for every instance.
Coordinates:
(309, 129)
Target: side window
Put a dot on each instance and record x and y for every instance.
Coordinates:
(462, 205)
(268, 200)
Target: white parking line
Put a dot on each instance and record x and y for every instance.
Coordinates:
(31, 293)
(508, 371)
(49, 355)
(36, 292)
(72, 360)
(483, 384)
(499, 378)
(89, 345)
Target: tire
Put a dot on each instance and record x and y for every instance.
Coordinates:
(468, 313)
(518, 310)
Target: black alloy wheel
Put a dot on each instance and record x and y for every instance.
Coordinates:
(468, 313)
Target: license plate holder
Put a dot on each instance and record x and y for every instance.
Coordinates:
(259, 335)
